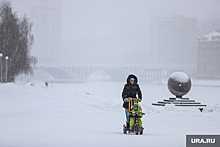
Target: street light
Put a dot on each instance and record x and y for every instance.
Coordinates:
(9, 64)
(6, 70)
(1, 65)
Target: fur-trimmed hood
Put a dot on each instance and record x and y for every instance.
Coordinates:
(132, 76)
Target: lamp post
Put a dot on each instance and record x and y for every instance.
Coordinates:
(1, 65)
(9, 71)
(6, 70)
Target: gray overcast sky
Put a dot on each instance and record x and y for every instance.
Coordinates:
(107, 18)
(95, 18)
(101, 23)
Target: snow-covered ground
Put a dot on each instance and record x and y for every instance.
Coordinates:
(90, 114)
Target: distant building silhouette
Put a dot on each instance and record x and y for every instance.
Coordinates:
(174, 42)
(46, 18)
(209, 55)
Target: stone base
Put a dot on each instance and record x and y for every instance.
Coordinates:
(157, 104)
(186, 102)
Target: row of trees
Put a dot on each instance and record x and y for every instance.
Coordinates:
(16, 40)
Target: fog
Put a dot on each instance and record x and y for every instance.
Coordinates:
(124, 33)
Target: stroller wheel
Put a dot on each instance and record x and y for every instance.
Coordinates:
(136, 132)
(137, 128)
(141, 130)
(124, 129)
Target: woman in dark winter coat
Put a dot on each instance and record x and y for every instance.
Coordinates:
(131, 89)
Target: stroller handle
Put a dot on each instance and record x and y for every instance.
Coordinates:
(129, 103)
(138, 113)
(131, 98)
(136, 116)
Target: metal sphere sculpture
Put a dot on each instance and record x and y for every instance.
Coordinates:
(179, 84)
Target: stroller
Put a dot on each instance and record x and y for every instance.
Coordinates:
(136, 129)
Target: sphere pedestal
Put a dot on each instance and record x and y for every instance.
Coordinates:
(179, 84)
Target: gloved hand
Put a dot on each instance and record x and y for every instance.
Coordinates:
(139, 100)
(126, 99)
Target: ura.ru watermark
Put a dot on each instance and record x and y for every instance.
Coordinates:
(202, 140)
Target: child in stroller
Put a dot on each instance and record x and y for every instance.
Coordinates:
(135, 119)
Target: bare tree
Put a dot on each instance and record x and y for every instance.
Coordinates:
(15, 42)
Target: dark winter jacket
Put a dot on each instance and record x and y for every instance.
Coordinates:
(131, 90)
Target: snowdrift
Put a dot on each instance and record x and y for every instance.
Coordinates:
(91, 114)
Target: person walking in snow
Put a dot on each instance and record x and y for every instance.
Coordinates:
(131, 89)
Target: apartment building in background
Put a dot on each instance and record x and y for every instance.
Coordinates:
(174, 43)
(209, 55)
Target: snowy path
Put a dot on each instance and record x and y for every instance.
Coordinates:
(90, 114)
